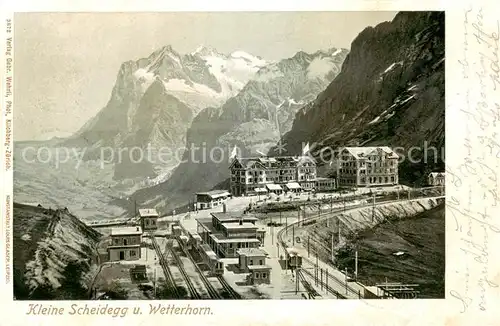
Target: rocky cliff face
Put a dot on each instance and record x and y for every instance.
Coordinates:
(154, 101)
(253, 120)
(390, 92)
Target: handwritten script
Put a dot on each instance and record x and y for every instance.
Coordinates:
(474, 201)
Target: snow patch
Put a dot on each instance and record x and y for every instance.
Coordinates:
(319, 68)
(391, 67)
(26, 237)
(241, 54)
(338, 51)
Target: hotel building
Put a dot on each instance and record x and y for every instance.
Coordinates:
(254, 175)
(367, 167)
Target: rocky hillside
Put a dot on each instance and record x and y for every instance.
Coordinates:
(154, 101)
(253, 120)
(55, 254)
(390, 92)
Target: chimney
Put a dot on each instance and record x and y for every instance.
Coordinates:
(224, 209)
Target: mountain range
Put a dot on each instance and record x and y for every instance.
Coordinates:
(253, 120)
(390, 92)
(154, 101)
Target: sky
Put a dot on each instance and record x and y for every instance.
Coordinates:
(66, 63)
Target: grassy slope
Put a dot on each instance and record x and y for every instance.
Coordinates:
(421, 238)
(53, 254)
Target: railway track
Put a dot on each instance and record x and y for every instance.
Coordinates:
(164, 265)
(189, 282)
(334, 279)
(212, 292)
(228, 288)
(310, 290)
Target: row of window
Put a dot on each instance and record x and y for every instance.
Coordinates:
(126, 241)
(370, 171)
(260, 275)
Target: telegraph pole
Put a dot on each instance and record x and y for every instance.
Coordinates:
(322, 279)
(346, 280)
(373, 207)
(356, 265)
(332, 248)
(338, 228)
(154, 283)
(308, 238)
(293, 235)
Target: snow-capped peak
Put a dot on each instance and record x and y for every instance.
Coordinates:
(246, 56)
(204, 51)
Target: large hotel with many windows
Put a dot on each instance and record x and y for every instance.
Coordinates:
(367, 167)
(272, 174)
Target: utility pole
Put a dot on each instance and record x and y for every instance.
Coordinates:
(308, 238)
(297, 280)
(154, 283)
(346, 280)
(332, 248)
(373, 207)
(293, 235)
(338, 228)
(322, 279)
(356, 265)
(326, 279)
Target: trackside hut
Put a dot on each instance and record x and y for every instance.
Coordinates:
(210, 199)
(125, 243)
(253, 261)
(149, 218)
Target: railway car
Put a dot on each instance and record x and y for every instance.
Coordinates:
(183, 239)
(194, 241)
(293, 257)
(215, 265)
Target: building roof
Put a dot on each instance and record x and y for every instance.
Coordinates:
(239, 226)
(139, 269)
(264, 161)
(124, 246)
(233, 217)
(148, 212)
(220, 238)
(359, 152)
(127, 230)
(258, 267)
(292, 252)
(215, 193)
(272, 186)
(293, 185)
(436, 174)
(252, 252)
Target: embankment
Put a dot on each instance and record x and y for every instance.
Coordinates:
(55, 254)
(401, 242)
